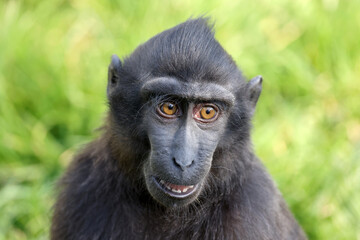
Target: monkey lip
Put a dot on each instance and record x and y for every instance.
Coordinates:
(176, 191)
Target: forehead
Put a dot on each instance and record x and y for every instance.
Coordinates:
(204, 91)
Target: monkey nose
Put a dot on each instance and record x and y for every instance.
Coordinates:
(183, 164)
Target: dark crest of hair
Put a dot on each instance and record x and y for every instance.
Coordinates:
(188, 52)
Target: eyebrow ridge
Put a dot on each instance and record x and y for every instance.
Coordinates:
(171, 86)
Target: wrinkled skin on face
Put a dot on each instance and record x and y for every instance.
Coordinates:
(181, 151)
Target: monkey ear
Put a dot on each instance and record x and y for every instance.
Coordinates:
(253, 90)
(113, 73)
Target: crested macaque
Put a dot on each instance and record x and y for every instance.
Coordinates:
(175, 159)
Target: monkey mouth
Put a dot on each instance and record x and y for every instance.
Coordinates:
(176, 191)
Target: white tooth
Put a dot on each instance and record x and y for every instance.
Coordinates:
(192, 186)
(176, 190)
(185, 189)
(168, 187)
(162, 181)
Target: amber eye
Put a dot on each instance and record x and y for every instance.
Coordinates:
(207, 113)
(168, 109)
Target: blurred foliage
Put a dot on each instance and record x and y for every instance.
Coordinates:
(53, 66)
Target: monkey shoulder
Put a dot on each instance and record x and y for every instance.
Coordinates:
(258, 210)
(94, 198)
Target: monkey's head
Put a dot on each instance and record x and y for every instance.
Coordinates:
(178, 105)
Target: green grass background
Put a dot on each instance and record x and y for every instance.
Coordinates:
(53, 71)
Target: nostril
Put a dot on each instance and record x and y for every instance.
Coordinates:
(192, 162)
(176, 163)
(182, 164)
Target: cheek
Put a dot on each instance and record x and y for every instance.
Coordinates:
(161, 141)
(208, 141)
(157, 130)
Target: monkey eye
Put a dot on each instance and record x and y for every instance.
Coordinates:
(168, 110)
(206, 113)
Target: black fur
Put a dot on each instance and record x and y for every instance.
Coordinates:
(104, 193)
